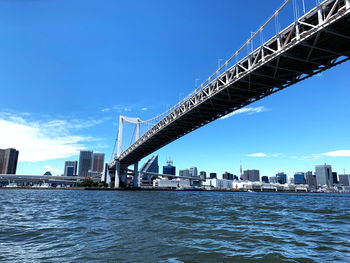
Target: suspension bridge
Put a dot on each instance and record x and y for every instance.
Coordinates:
(312, 43)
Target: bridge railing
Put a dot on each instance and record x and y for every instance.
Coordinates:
(300, 29)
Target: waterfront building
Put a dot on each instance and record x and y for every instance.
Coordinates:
(184, 172)
(85, 163)
(251, 175)
(324, 175)
(48, 173)
(8, 161)
(212, 175)
(177, 183)
(98, 160)
(151, 165)
(69, 171)
(265, 179)
(227, 176)
(310, 179)
(335, 177)
(281, 178)
(203, 175)
(273, 180)
(169, 169)
(299, 178)
(291, 180)
(235, 177)
(193, 171)
(344, 179)
(70, 164)
(218, 183)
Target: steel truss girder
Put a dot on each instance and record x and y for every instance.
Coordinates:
(251, 63)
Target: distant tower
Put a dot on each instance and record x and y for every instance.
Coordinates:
(241, 170)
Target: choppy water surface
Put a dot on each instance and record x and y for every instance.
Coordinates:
(101, 226)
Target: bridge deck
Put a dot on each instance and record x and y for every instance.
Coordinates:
(315, 42)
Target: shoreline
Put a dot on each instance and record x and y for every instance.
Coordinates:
(160, 189)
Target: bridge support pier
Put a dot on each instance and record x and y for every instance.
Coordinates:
(117, 174)
(136, 175)
(347, 4)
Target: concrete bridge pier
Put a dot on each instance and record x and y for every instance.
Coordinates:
(117, 174)
(136, 175)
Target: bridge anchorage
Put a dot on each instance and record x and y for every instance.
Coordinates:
(312, 43)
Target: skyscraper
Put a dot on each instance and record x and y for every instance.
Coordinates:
(70, 168)
(8, 161)
(151, 165)
(85, 163)
(98, 160)
(310, 179)
(281, 178)
(193, 171)
(251, 175)
(344, 179)
(299, 178)
(335, 177)
(324, 175)
(212, 176)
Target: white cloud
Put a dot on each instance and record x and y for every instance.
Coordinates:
(105, 109)
(43, 140)
(339, 153)
(144, 109)
(257, 155)
(247, 110)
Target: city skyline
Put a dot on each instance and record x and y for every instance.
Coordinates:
(303, 126)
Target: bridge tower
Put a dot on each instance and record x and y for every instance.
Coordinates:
(120, 171)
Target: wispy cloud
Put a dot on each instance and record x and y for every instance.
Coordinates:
(257, 155)
(41, 140)
(247, 110)
(144, 109)
(339, 153)
(106, 109)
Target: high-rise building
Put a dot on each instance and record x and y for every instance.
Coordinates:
(344, 179)
(169, 169)
(151, 165)
(70, 164)
(310, 179)
(98, 160)
(281, 178)
(212, 176)
(203, 175)
(184, 172)
(265, 179)
(85, 163)
(8, 161)
(335, 177)
(251, 175)
(324, 175)
(299, 178)
(193, 171)
(272, 179)
(227, 176)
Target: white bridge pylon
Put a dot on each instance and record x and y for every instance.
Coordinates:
(123, 119)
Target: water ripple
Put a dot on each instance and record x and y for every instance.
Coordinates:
(99, 226)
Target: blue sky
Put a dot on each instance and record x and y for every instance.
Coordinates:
(68, 69)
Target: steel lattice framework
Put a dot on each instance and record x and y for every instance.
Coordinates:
(315, 42)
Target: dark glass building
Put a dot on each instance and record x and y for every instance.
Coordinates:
(265, 179)
(169, 169)
(281, 178)
(212, 176)
(335, 178)
(299, 178)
